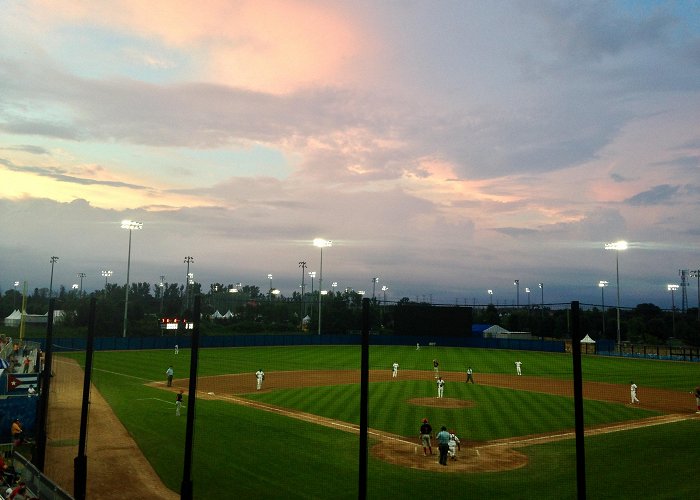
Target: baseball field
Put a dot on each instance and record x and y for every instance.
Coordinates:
(297, 437)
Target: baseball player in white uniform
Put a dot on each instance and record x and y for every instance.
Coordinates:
(518, 370)
(633, 393)
(260, 376)
(395, 369)
(453, 446)
(440, 386)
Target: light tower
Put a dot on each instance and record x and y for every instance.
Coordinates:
(683, 273)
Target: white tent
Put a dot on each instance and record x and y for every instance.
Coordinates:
(587, 340)
(228, 314)
(217, 315)
(14, 318)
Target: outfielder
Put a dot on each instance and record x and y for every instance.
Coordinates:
(436, 364)
(260, 376)
(395, 369)
(518, 369)
(633, 393)
(453, 446)
(697, 398)
(440, 386)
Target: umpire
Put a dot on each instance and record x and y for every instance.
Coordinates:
(443, 439)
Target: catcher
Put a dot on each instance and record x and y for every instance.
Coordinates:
(453, 446)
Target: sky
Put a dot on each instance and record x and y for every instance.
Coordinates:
(445, 147)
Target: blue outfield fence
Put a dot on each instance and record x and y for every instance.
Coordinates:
(140, 343)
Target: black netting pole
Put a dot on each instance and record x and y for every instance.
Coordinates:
(80, 461)
(578, 401)
(364, 388)
(186, 490)
(44, 382)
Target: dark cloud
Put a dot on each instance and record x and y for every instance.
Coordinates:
(36, 150)
(59, 175)
(657, 195)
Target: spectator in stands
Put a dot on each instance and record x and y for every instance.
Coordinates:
(27, 362)
(31, 391)
(17, 432)
(20, 492)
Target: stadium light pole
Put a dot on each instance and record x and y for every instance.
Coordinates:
(302, 265)
(617, 246)
(162, 291)
(527, 294)
(81, 276)
(602, 284)
(490, 292)
(131, 226)
(696, 274)
(672, 289)
(14, 294)
(106, 275)
(269, 293)
(374, 285)
(517, 293)
(312, 275)
(321, 243)
(188, 260)
(384, 289)
(53, 260)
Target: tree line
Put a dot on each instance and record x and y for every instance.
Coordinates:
(253, 311)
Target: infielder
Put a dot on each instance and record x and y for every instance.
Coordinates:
(436, 364)
(633, 393)
(177, 349)
(453, 446)
(518, 370)
(395, 369)
(260, 376)
(697, 398)
(470, 375)
(440, 386)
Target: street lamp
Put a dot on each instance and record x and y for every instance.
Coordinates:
(269, 276)
(602, 284)
(490, 292)
(374, 284)
(188, 260)
(672, 289)
(321, 243)
(53, 260)
(517, 293)
(618, 246)
(81, 276)
(131, 226)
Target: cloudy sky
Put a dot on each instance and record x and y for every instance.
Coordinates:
(446, 147)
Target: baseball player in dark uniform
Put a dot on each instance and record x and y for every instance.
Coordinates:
(426, 431)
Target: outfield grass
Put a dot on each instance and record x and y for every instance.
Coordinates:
(262, 455)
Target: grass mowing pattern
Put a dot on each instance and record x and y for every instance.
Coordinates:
(243, 452)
